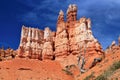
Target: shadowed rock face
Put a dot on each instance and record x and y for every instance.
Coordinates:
(72, 37)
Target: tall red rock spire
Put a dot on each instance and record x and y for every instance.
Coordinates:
(60, 17)
(47, 52)
(61, 38)
(72, 13)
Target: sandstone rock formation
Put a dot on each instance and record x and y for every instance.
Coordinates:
(31, 43)
(113, 47)
(47, 52)
(61, 38)
(72, 13)
(72, 38)
(7, 54)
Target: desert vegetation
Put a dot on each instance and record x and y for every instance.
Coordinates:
(106, 74)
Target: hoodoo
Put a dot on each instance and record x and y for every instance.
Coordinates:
(73, 39)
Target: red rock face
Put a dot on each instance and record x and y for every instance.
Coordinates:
(61, 38)
(113, 47)
(72, 13)
(72, 38)
(47, 52)
(31, 43)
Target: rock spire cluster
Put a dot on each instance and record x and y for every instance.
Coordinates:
(72, 37)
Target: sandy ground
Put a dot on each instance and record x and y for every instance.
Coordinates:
(26, 69)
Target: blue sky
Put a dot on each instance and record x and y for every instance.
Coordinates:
(105, 16)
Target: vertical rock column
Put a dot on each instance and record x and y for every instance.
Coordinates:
(72, 13)
(37, 44)
(23, 41)
(28, 44)
(61, 39)
(70, 24)
(47, 52)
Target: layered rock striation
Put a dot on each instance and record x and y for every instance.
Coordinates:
(72, 37)
(61, 38)
(31, 43)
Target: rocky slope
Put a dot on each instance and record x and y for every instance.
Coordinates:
(112, 56)
(22, 68)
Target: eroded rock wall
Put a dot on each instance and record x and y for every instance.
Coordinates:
(73, 37)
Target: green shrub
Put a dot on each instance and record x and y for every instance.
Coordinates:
(101, 77)
(109, 72)
(91, 76)
(115, 66)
